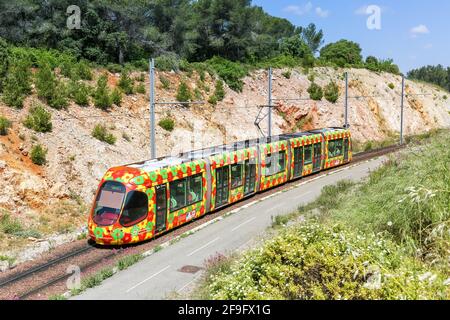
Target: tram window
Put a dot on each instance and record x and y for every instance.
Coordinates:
(308, 154)
(185, 192)
(335, 148)
(135, 209)
(281, 161)
(195, 189)
(178, 194)
(108, 203)
(275, 163)
(236, 175)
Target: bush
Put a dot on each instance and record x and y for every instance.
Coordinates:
(39, 119)
(116, 97)
(332, 92)
(445, 97)
(5, 124)
(83, 70)
(317, 262)
(165, 82)
(140, 88)
(287, 74)
(5, 54)
(67, 67)
(315, 92)
(58, 100)
(391, 86)
(342, 53)
(125, 82)
(102, 98)
(231, 72)
(45, 82)
(184, 94)
(100, 132)
(38, 155)
(167, 62)
(8, 224)
(220, 91)
(80, 92)
(167, 124)
(17, 84)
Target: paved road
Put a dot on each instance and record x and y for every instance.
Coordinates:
(158, 276)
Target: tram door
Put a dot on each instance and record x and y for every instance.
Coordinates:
(250, 177)
(222, 186)
(298, 162)
(161, 208)
(346, 149)
(317, 157)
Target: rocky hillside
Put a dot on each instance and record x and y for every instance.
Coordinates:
(55, 197)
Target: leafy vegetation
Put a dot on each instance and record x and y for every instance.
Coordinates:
(165, 82)
(102, 96)
(438, 75)
(116, 97)
(9, 224)
(167, 124)
(100, 132)
(331, 92)
(184, 93)
(342, 53)
(126, 82)
(361, 243)
(80, 92)
(315, 92)
(5, 124)
(17, 84)
(38, 155)
(231, 72)
(39, 119)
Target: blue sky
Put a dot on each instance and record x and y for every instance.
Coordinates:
(413, 33)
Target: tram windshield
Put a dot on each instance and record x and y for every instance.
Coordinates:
(109, 203)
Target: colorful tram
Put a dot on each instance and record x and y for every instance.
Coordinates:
(139, 201)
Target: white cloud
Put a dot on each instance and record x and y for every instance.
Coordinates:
(299, 10)
(322, 13)
(420, 29)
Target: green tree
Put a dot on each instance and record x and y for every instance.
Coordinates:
(38, 155)
(102, 96)
(5, 124)
(331, 92)
(5, 54)
(184, 93)
(46, 82)
(312, 37)
(342, 53)
(315, 92)
(39, 119)
(125, 82)
(17, 84)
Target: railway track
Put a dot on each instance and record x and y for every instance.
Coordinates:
(29, 283)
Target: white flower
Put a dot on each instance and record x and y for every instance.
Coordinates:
(390, 224)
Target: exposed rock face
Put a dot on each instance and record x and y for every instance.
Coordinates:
(76, 161)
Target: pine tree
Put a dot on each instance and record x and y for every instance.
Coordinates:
(102, 96)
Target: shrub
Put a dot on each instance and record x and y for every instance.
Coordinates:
(167, 124)
(116, 97)
(100, 132)
(125, 82)
(5, 124)
(45, 82)
(39, 119)
(58, 100)
(184, 94)
(140, 88)
(8, 224)
(315, 92)
(342, 53)
(38, 155)
(231, 72)
(287, 74)
(67, 67)
(17, 84)
(165, 82)
(83, 70)
(80, 92)
(102, 98)
(5, 54)
(168, 62)
(332, 92)
(318, 262)
(391, 86)
(213, 100)
(445, 97)
(219, 91)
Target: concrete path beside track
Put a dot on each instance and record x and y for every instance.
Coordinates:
(158, 276)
